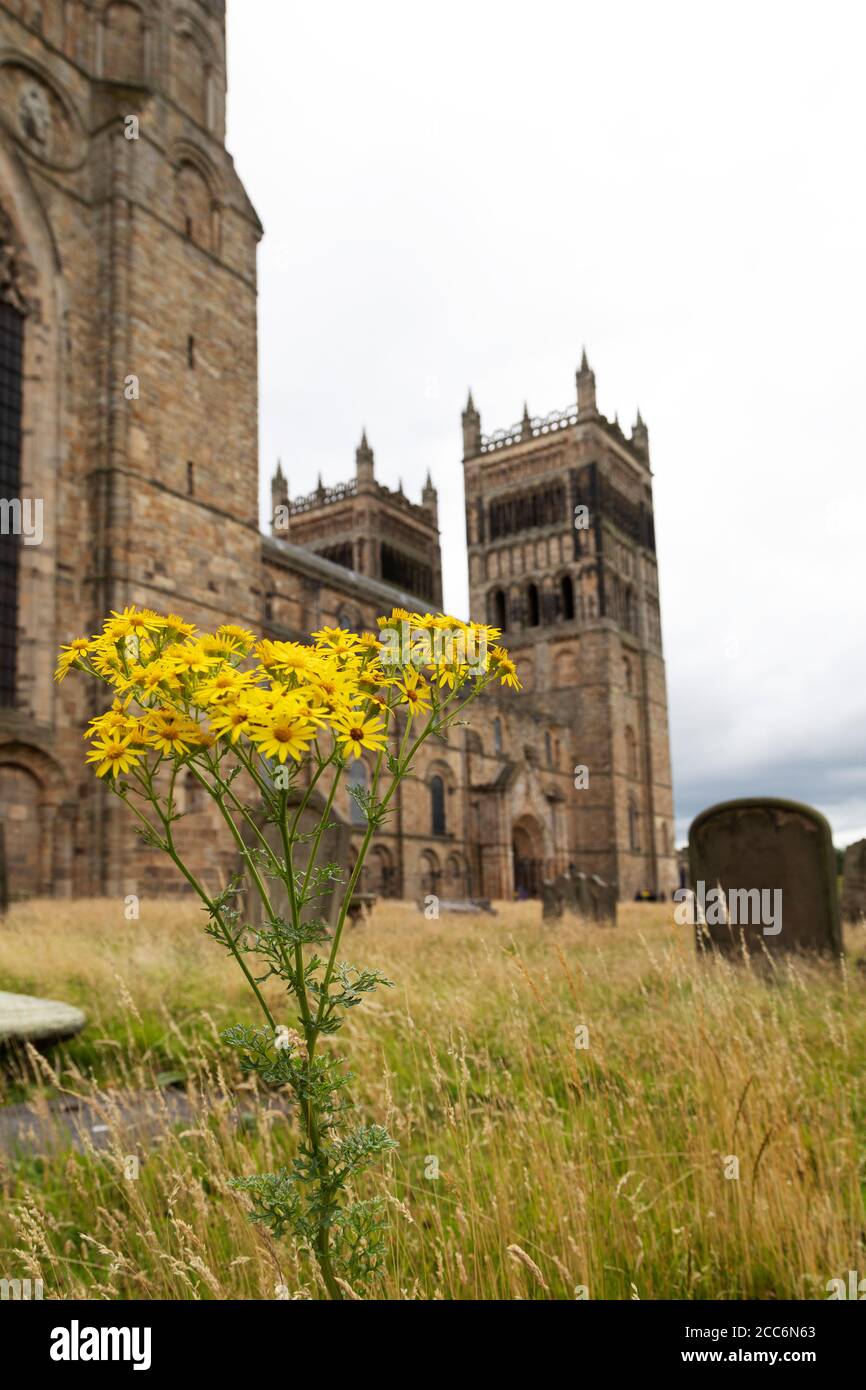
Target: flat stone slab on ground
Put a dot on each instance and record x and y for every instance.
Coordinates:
(25, 1018)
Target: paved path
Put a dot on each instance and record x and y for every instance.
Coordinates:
(63, 1122)
(37, 1020)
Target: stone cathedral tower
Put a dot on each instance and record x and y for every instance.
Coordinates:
(559, 522)
(128, 392)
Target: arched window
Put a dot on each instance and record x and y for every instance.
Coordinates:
(381, 877)
(630, 752)
(498, 610)
(437, 805)
(548, 749)
(497, 735)
(456, 877)
(633, 825)
(627, 675)
(566, 589)
(430, 872)
(533, 607)
(123, 43)
(195, 205)
(356, 776)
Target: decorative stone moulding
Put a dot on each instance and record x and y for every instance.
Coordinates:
(39, 116)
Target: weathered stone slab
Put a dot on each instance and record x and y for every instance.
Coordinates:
(764, 874)
(854, 882)
(25, 1018)
(469, 907)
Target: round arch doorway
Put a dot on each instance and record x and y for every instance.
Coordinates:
(527, 852)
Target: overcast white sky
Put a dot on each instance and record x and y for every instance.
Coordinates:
(465, 193)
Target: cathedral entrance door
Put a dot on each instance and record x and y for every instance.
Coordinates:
(527, 847)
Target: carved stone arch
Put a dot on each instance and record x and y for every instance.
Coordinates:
(456, 877)
(430, 873)
(32, 279)
(197, 197)
(39, 112)
(382, 876)
(38, 818)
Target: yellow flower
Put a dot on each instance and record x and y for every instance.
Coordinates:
(177, 627)
(238, 636)
(114, 754)
(150, 678)
(190, 657)
(283, 733)
(291, 658)
(70, 655)
(223, 684)
(505, 669)
(231, 719)
(133, 622)
(450, 673)
(337, 638)
(170, 731)
(111, 722)
(414, 692)
(354, 733)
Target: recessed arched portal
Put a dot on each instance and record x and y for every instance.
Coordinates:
(527, 849)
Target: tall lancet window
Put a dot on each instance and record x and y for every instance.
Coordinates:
(12, 312)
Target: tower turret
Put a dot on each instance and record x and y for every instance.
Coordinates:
(586, 402)
(430, 497)
(640, 437)
(471, 430)
(364, 461)
(279, 491)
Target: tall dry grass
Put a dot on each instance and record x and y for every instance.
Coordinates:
(526, 1167)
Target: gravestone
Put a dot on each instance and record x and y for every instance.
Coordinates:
(581, 894)
(334, 848)
(854, 882)
(603, 896)
(566, 886)
(551, 902)
(763, 872)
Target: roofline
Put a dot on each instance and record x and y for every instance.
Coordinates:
(360, 586)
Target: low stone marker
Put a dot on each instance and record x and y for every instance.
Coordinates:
(24, 1018)
(461, 907)
(763, 873)
(582, 894)
(854, 882)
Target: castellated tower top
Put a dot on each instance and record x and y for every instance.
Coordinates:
(366, 527)
(531, 430)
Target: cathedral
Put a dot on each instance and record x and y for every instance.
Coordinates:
(129, 474)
